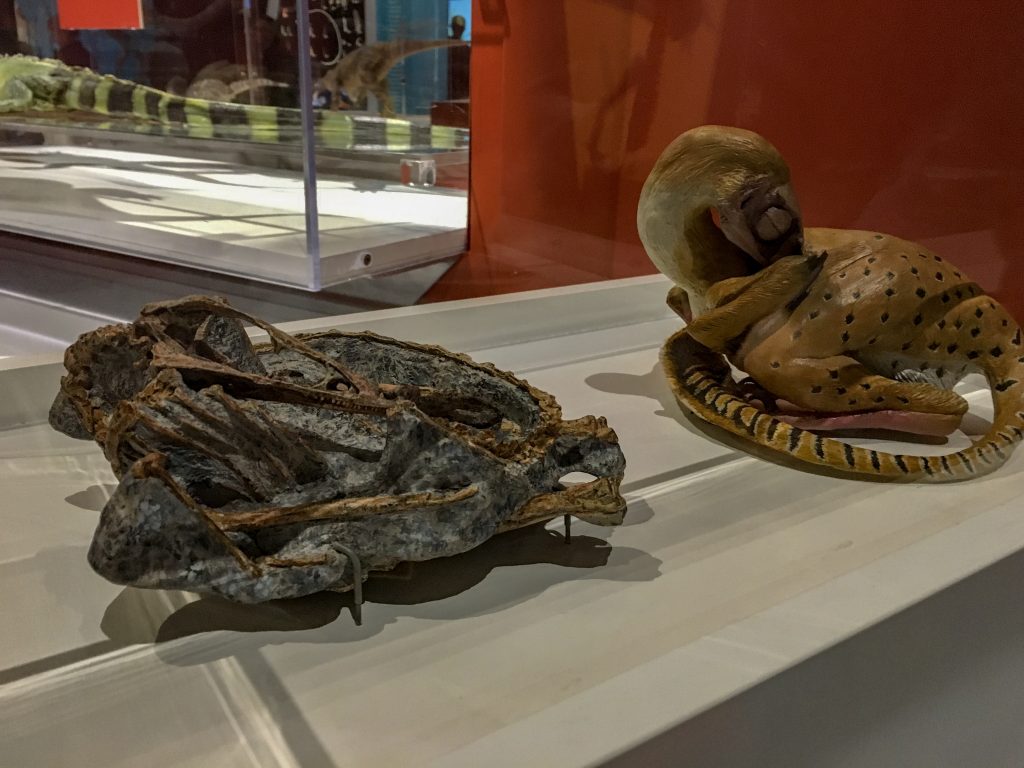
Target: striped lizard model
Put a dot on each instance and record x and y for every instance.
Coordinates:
(840, 329)
(30, 85)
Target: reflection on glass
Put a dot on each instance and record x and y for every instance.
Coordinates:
(199, 82)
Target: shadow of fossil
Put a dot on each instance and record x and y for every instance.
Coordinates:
(447, 588)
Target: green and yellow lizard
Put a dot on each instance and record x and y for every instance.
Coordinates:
(32, 86)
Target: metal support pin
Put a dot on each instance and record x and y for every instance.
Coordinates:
(568, 530)
(357, 583)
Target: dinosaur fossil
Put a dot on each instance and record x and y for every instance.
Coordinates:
(33, 87)
(365, 70)
(838, 329)
(253, 472)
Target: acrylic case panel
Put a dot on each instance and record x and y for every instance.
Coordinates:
(147, 172)
(400, 68)
(892, 118)
(212, 161)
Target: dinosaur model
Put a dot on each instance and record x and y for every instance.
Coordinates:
(33, 86)
(223, 81)
(365, 70)
(211, 89)
(838, 329)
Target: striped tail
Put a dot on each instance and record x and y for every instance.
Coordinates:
(399, 49)
(164, 113)
(702, 382)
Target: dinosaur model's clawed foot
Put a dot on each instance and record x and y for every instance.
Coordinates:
(756, 395)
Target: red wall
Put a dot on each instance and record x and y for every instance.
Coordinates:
(906, 117)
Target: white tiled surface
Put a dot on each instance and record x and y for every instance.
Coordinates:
(728, 570)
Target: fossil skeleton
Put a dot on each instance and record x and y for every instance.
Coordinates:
(249, 471)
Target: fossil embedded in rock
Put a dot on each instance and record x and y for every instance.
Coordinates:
(250, 472)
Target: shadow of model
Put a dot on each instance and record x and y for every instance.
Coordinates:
(651, 385)
(446, 588)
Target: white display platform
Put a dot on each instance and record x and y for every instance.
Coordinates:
(223, 216)
(738, 617)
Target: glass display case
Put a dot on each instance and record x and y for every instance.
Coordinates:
(206, 134)
(882, 126)
(746, 610)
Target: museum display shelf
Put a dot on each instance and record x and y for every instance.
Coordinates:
(49, 295)
(746, 612)
(226, 215)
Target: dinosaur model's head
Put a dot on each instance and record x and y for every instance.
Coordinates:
(20, 65)
(717, 204)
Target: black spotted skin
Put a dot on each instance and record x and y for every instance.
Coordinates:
(886, 325)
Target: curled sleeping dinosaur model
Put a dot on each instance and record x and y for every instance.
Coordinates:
(837, 329)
